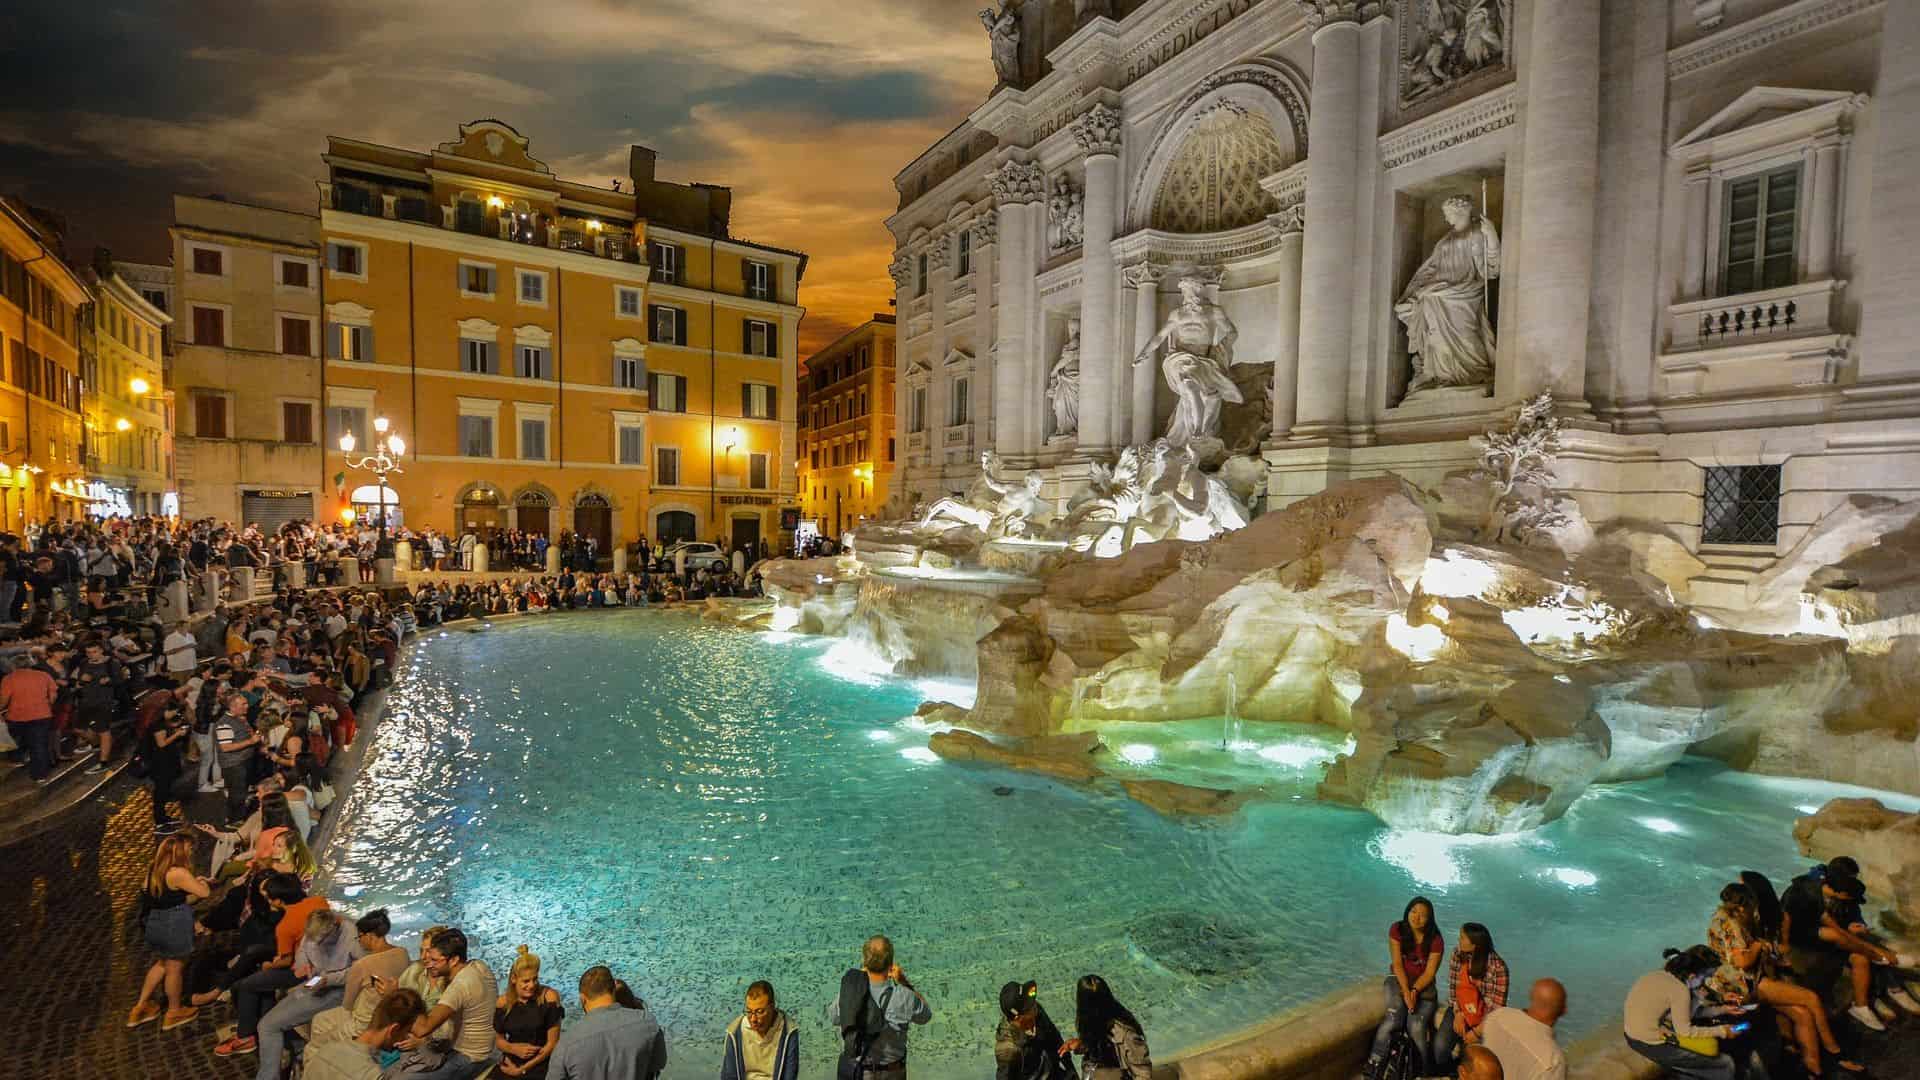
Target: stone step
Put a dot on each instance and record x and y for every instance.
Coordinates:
(26, 807)
(1744, 561)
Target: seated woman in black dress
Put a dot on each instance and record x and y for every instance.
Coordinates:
(526, 1020)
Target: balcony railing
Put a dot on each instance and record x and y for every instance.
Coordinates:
(1802, 310)
(534, 229)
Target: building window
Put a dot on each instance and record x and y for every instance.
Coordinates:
(469, 216)
(1757, 246)
(296, 336)
(669, 325)
(963, 253)
(627, 372)
(476, 280)
(208, 261)
(666, 393)
(1742, 505)
(296, 422)
(479, 357)
(209, 326)
(533, 440)
(533, 287)
(530, 362)
(666, 465)
(476, 436)
(633, 445)
(759, 280)
(342, 419)
(294, 274)
(889, 448)
(155, 297)
(353, 342)
(209, 415)
(917, 409)
(666, 261)
(920, 276)
(757, 471)
(961, 411)
(346, 259)
(760, 338)
(758, 400)
(627, 302)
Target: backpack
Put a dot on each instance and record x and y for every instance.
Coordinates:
(1400, 1062)
(856, 1037)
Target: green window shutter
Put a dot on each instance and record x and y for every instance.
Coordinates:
(366, 344)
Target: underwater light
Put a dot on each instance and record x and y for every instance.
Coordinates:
(920, 754)
(1139, 753)
(1808, 808)
(1661, 825)
(877, 735)
(1572, 878)
(1296, 755)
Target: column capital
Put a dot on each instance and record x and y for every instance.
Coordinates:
(1328, 12)
(1098, 130)
(939, 250)
(1141, 274)
(901, 269)
(1291, 220)
(986, 229)
(1018, 182)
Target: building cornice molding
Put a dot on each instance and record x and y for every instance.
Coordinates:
(1761, 31)
(336, 223)
(1450, 127)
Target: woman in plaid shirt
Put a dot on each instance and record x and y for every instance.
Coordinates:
(1481, 967)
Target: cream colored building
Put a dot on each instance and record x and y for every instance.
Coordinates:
(129, 435)
(246, 366)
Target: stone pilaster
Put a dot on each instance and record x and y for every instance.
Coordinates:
(1291, 223)
(1144, 279)
(1559, 174)
(1102, 384)
(1336, 135)
(1018, 187)
(1890, 322)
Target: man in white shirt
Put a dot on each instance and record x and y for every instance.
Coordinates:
(179, 650)
(1523, 1039)
(468, 1001)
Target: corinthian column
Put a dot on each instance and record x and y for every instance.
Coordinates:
(1286, 320)
(1559, 164)
(1017, 187)
(1890, 321)
(1103, 392)
(1336, 135)
(1144, 279)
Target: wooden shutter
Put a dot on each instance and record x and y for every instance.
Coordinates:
(365, 333)
(746, 399)
(773, 402)
(334, 332)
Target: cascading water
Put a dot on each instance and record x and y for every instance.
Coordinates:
(1230, 724)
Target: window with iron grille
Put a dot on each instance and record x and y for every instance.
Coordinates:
(1742, 505)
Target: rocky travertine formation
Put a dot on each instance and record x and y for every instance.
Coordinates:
(1484, 687)
(1885, 842)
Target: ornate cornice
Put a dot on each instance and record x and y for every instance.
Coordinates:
(1447, 128)
(1098, 130)
(1326, 12)
(1018, 182)
(1762, 31)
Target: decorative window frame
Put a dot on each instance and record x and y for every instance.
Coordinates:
(315, 343)
(519, 286)
(476, 264)
(485, 407)
(639, 313)
(532, 410)
(337, 275)
(226, 260)
(625, 420)
(1813, 128)
(226, 323)
(313, 274)
(318, 418)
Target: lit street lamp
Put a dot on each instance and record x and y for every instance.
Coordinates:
(384, 461)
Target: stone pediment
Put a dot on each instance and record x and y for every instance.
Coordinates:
(495, 142)
(919, 366)
(1759, 115)
(958, 356)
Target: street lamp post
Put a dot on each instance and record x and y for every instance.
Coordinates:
(384, 461)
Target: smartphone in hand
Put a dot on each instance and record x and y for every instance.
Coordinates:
(315, 981)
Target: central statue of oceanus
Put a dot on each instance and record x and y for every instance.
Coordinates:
(1199, 339)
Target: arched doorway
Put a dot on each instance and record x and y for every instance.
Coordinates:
(480, 511)
(672, 526)
(593, 516)
(534, 511)
(371, 501)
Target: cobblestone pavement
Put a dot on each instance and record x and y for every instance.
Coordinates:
(74, 955)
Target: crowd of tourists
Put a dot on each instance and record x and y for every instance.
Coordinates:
(1752, 1001)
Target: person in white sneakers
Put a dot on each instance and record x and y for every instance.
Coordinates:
(1523, 1038)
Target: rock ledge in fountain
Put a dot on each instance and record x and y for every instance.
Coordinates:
(1063, 757)
(1886, 843)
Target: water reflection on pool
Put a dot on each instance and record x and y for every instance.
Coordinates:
(701, 807)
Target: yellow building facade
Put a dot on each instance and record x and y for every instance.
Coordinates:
(128, 424)
(42, 476)
(558, 357)
(847, 431)
(245, 370)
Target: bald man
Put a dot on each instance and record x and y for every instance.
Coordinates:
(1478, 1063)
(1523, 1038)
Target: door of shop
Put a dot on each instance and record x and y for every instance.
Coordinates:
(593, 517)
(746, 536)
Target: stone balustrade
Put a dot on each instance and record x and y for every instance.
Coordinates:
(1791, 311)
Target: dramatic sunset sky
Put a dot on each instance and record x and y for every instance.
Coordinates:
(806, 108)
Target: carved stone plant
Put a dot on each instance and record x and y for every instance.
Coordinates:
(1517, 465)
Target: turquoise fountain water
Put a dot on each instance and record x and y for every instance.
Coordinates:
(700, 807)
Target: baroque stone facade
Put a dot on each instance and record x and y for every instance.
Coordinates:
(1727, 356)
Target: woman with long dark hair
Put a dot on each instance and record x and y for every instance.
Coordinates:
(1748, 962)
(1659, 1016)
(1476, 985)
(1107, 1034)
(1413, 953)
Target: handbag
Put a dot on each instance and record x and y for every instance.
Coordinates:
(1467, 1001)
(1704, 1045)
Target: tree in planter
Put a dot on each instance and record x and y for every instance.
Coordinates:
(1517, 466)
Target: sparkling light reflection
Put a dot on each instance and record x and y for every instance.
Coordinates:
(1662, 825)
(880, 735)
(1574, 879)
(920, 754)
(1139, 753)
(1298, 755)
(1431, 858)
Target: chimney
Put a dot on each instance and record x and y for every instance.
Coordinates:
(719, 209)
(640, 163)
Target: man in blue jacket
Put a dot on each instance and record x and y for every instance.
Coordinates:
(762, 1043)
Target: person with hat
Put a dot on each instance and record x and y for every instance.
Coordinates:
(1026, 1046)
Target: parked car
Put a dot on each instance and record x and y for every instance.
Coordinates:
(699, 556)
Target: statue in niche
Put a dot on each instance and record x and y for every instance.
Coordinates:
(1444, 307)
(1003, 30)
(1199, 339)
(1066, 215)
(1454, 39)
(1063, 384)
